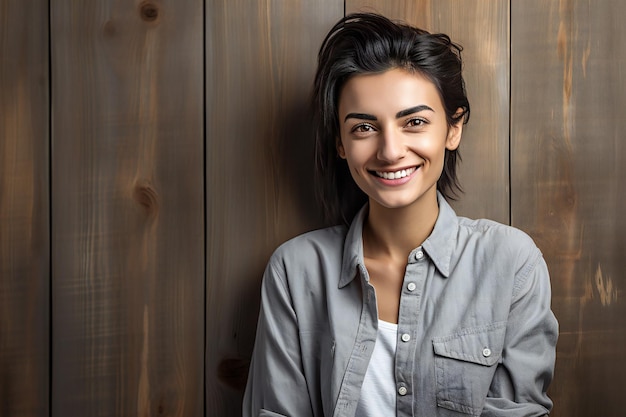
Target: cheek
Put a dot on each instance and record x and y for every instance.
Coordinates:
(435, 147)
(429, 151)
(355, 154)
(354, 166)
(356, 158)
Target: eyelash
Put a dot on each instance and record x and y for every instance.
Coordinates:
(413, 122)
(421, 121)
(356, 128)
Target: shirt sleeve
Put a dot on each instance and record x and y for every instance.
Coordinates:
(522, 378)
(276, 384)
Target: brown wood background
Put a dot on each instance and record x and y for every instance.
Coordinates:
(568, 172)
(154, 153)
(24, 209)
(260, 63)
(127, 208)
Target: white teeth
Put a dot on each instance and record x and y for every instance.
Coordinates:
(395, 175)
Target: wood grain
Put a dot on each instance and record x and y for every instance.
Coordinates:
(568, 159)
(261, 57)
(482, 28)
(127, 204)
(24, 209)
(129, 150)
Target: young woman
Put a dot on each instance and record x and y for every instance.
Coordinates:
(407, 309)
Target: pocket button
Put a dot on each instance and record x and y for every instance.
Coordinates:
(486, 352)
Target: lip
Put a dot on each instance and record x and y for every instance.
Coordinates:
(395, 181)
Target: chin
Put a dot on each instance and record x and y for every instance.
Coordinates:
(402, 201)
(394, 204)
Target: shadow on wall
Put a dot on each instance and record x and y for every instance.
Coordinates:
(296, 211)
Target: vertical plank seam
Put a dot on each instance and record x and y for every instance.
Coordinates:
(49, 198)
(510, 30)
(204, 205)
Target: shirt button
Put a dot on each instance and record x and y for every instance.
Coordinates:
(411, 286)
(419, 255)
(406, 337)
(402, 390)
(486, 352)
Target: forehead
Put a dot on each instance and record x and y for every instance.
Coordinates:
(388, 92)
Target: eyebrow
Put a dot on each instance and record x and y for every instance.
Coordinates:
(362, 116)
(412, 110)
(401, 113)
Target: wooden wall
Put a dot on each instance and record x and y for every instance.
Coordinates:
(260, 63)
(24, 209)
(127, 208)
(154, 153)
(568, 171)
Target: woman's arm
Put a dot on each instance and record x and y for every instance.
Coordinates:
(276, 384)
(521, 380)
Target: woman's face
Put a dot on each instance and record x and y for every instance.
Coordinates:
(393, 135)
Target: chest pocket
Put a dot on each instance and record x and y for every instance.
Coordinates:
(465, 363)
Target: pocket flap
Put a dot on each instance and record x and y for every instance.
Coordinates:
(481, 345)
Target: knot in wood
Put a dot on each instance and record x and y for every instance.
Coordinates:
(109, 29)
(149, 11)
(233, 372)
(147, 197)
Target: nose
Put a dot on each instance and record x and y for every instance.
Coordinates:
(391, 147)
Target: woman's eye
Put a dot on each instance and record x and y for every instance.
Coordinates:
(363, 128)
(416, 122)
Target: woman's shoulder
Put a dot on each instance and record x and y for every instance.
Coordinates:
(308, 261)
(320, 243)
(487, 244)
(496, 237)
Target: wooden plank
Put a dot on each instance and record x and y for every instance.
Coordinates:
(482, 28)
(568, 172)
(24, 209)
(127, 208)
(261, 57)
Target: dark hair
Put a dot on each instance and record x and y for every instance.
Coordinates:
(366, 43)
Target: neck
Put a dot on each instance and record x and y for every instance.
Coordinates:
(395, 232)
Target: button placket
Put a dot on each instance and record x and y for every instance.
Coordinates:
(408, 318)
(364, 344)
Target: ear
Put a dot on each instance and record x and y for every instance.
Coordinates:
(453, 140)
(340, 150)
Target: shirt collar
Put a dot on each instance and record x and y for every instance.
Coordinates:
(353, 248)
(439, 245)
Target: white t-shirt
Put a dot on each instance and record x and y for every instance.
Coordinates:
(378, 393)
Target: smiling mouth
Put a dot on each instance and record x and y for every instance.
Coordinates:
(395, 174)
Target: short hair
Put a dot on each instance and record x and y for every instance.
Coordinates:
(368, 43)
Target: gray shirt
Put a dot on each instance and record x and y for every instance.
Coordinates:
(476, 335)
